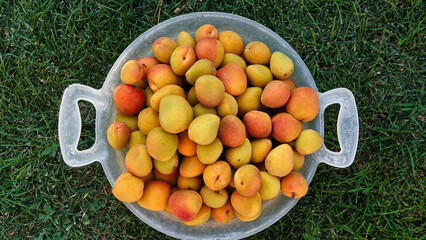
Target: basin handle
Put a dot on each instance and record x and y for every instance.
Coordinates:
(347, 128)
(69, 128)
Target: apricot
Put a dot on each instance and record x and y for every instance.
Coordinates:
(147, 120)
(279, 162)
(246, 206)
(130, 121)
(260, 149)
(247, 180)
(210, 49)
(285, 128)
(248, 219)
(223, 214)
(294, 185)
(303, 104)
(162, 48)
(118, 135)
(191, 166)
(171, 178)
(290, 83)
(185, 39)
(186, 146)
(136, 137)
(148, 94)
(308, 142)
(182, 59)
(249, 100)
(217, 175)
(258, 124)
(155, 196)
(138, 161)
(161, 75)
(270, 186)
(233, 58)
(128, 99)
(281, 65)
(210, 90)
(214, 199)
(200, 109)
(190, 183)
(275, 94)
(239, 156)
(200, 68)
(191, 97)
(258, 75)
(185, 204)
(299, 159)
(203, 129)
(228, 106)
(232, 42)
(128, 188)
(232, 131)
(131, 72)
(148, 178)
(206, 31)
(208, 154)
(257, 53)
(166, 167)
(171, 89)
(161, 145)
(146, 63)
(175, 114)
(202, 216)
(233, 78)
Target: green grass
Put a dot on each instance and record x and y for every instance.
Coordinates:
(373, 48)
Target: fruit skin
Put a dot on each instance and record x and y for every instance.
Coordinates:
(166, 167)
(186, 146)
(233, 78)
(202, 216)
(246, 206)
(270, 186)
(208, 154)
(131, 72)
(136, 137)
(247, 219)
(294, 185)
(189, 183)
(210, 49)
(258, 124)
(275, 94)
(258, 75)
(308, 142)
(161, 145)
(185, 204)
(162, 49)
(214, 199)
(232, 131)
(231, 41)
(175, 114)
(171, 178)
(138, 162)
(260, 149)
(249, 100)
(161, 75)
(185, 39)
(217, 175)
(206, 31)
(148, 94)
(228, 106)
(233, 58)
(146, 63)
(247, 180)
(285, 128)
(182, 59)
(290, 83)
(191, 167)
(148, 119)
(279, 162)
(203, 129)
(239, 156)
(156, 195)
(118, 135)
(191, 97)
(303, 104)
(257, 53)
(223, 214)
(200, 68)
(130, 121)
(128, 99)
(210, 90)
(171, 89)
(200, 109)
(128, 188)
(281, 65)
(299, 159)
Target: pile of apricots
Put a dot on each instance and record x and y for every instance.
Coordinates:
(211, 127)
